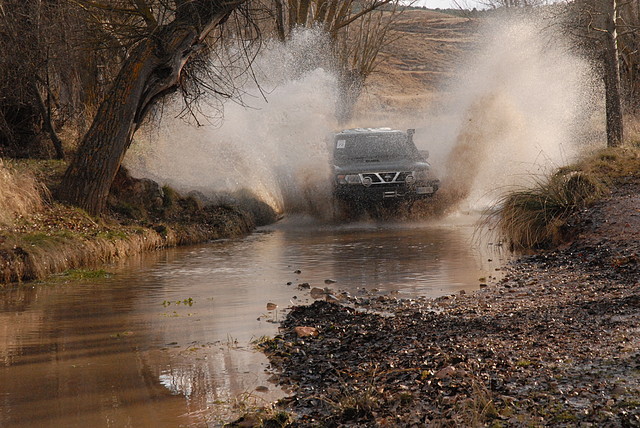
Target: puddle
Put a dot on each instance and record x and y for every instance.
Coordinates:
(166, 340)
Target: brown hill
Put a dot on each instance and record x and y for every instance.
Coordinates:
(425, 49)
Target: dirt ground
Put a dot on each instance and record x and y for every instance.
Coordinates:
(554, 343)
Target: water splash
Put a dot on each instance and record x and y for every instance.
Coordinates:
(273, 147)
(521, 107)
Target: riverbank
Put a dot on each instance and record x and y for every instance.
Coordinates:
(53, 238)
(554, 343)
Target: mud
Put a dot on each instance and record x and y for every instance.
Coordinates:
(554, 343)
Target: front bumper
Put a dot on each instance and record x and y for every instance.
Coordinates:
(359, 192)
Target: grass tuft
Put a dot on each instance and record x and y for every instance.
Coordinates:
(535, 217)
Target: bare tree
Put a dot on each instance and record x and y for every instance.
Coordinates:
(612, 75)
(357, 29)
(56, 62)
(511, 4)
(30, 44)
(628, 44)
(162, 39)
(598, 23)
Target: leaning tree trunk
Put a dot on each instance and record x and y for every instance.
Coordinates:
(612, 79)
(151, 71)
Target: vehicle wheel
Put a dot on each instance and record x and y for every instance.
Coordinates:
(386, 210)
(347, 210)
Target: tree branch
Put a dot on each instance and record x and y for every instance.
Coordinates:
(376, 4)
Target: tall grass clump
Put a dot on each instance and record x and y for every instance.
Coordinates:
(534, 217)
(20, 194)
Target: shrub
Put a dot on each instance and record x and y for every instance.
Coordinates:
(533, 218)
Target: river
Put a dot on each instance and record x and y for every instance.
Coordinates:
(165, 339)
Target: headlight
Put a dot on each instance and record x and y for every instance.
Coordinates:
(353, 179)
(349, 179)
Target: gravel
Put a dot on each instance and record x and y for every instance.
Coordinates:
(555, 343)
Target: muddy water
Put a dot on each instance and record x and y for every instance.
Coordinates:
(165, 339)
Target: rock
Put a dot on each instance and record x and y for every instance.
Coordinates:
(445, 372)
(271, 306)
(304, 285)
(246, 421)
(618, 390)
(483, 285)
(317, 293)
(331, 298)
(329, 281)
(306, 331)
(262, 388)
(297, 272)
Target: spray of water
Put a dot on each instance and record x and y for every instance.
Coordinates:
(273, 147)
(521, 107)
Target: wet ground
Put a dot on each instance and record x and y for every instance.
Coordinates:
(165, 339)
(554, 343)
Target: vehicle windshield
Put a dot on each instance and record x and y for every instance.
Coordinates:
(373, 147)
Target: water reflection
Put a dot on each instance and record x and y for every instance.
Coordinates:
(133, 350)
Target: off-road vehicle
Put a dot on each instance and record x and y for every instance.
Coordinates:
(374, 165)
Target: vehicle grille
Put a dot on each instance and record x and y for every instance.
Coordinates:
(384, 177)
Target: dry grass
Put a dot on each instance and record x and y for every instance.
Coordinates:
(63, 238)
(20, 194)
(477, 410)
(39, 237)
(611, 164)
(534, 217)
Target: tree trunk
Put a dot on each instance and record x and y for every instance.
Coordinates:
(350, 85)
(45, 112)
(151, 71)
(612, 79)
(280, 20)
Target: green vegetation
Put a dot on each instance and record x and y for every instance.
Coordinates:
(536, 217)
(42, 239)
(78, 274)
(186, 302)
(259, 416)
(127, 209)
(523, 363)
(169, 198)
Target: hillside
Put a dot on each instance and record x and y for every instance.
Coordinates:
(424, 51)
